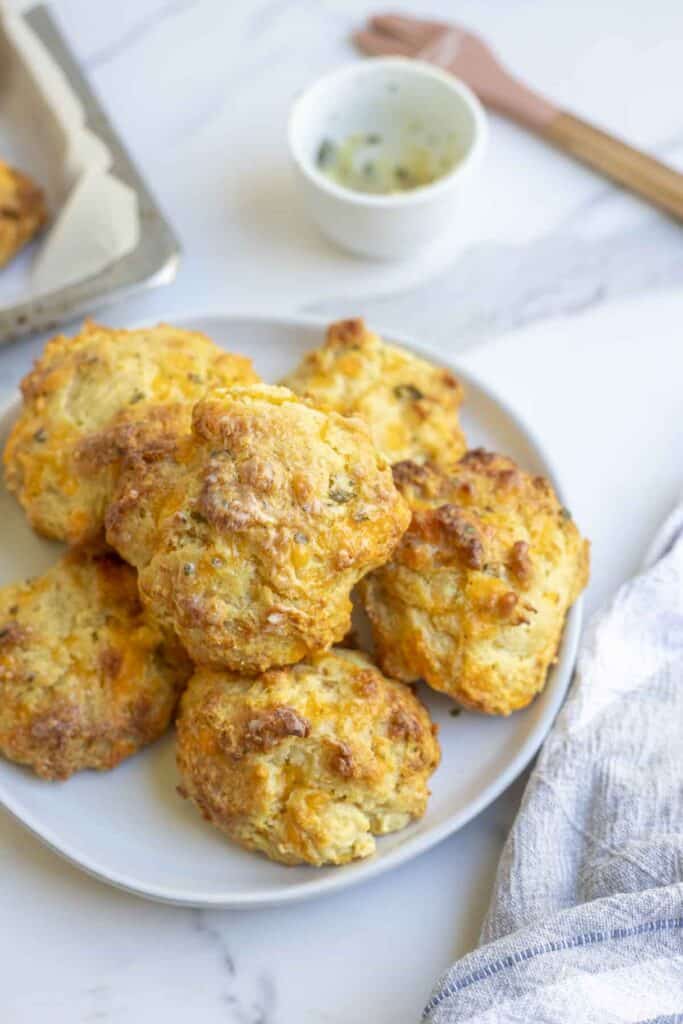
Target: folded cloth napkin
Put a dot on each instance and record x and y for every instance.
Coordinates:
(586, 921)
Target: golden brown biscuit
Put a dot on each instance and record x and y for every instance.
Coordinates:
(475, 596)
(93, 398)
(85, 677)
(308, 763)
(410, 406)
(250, 536)
(22, 211)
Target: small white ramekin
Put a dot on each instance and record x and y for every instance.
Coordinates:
(370, 96)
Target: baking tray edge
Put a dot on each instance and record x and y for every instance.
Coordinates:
(155, 259)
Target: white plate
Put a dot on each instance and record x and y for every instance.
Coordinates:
(130, 828)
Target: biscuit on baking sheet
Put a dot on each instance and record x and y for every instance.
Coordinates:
(22, 211)
(250, 536)
(86, 677)
(95, 397)
(410, 405)
(306, 764)
(475, 596)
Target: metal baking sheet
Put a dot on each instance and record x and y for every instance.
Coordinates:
(155, 259)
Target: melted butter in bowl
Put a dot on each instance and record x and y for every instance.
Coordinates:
(383, 151)
(370, 162)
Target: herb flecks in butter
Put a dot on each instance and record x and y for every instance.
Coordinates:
(367, 162)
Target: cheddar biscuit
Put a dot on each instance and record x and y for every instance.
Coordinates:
(410, 405)
(94, 398)
(22, 211)
(86, 677)
(306, 764)
(474, 598)
(250, 535)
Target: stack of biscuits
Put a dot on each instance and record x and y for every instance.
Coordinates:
(217, 528)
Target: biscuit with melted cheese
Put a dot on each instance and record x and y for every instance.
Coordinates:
(306, 764)
(474, 598)
(94, 398)
(410, 405)
(250, 536)
(86, 678)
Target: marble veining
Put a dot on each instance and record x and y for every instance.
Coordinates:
(203, 926)
(561, 274)
(244, 1003)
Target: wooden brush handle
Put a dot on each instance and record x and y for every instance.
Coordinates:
(629, 167)
(654, 181)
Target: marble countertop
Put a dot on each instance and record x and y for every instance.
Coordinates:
(564, 293)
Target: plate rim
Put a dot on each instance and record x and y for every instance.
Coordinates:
(364, 870)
